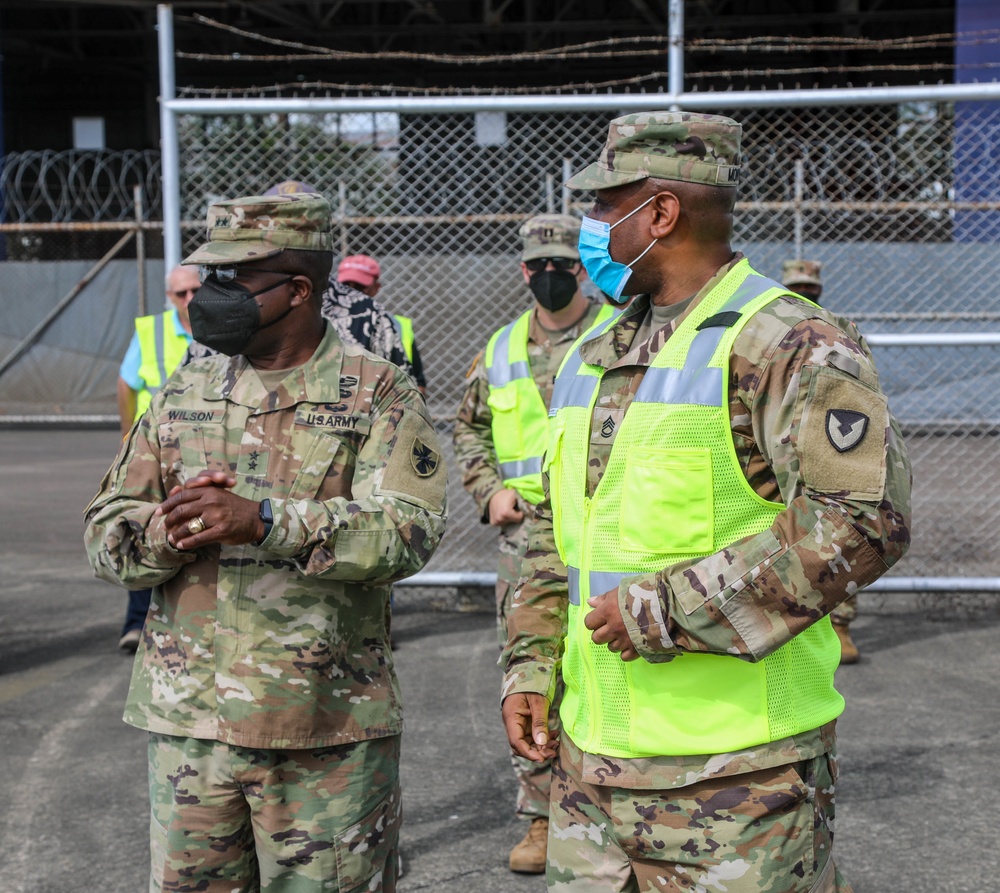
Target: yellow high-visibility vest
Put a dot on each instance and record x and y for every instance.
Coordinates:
(161, 348)
(406, 334)
(672, 491)
(520, 417)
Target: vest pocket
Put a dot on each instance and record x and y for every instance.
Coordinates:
(666, 503)
(507, 438)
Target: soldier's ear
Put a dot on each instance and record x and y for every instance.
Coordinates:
(666, 208)
(302, 290)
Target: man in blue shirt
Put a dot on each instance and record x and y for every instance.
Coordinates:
(158, 344)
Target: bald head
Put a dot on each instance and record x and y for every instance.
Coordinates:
(182, 283)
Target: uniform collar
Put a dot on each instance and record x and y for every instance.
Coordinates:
(616, 342)
(237, 381)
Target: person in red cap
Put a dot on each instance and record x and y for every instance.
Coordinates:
(363, 273)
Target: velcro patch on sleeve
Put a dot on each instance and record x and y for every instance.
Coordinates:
(842, 439)
(415, 471)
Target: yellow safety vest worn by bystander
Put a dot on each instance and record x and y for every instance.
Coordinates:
(161, 349)
(520, 417)
(406, 334)
(672, 491)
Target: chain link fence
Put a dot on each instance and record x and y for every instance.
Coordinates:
(898, 201)
(874, 192)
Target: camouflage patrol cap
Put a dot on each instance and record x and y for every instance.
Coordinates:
(550, 235)
(259, 226)
(666, 145)
(801, 272)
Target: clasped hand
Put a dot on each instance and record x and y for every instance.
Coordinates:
(607, 627)
(227, 518)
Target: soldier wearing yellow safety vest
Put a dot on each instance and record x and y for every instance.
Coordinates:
(500, 436)
(722, 471)
(156, 349)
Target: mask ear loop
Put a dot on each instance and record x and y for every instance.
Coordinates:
(626, 217)
(630, 213)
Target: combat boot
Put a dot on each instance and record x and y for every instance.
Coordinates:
(528, 857)
(849, 653)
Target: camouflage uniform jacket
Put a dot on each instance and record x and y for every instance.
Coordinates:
(473, 439)
(357, 319)
(846, 520)
(281, 646)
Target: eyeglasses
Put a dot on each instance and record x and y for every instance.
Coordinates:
(228, 272)
(184, 292)
(562, 264)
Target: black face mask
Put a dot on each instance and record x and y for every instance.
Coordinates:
(224, 315)
(553, 289)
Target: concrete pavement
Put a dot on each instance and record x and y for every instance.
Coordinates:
(918, 740)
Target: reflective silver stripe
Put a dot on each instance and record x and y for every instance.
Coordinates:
(697, 384)
(576, 390)
(572, 388)
(701, 387)
(600, 582)
(521, 468)
(161, 347)
(503, 371)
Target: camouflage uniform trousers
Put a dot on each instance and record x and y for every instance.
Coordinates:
(846, 612)
(533, 779)
(242, 820)
(769, 830)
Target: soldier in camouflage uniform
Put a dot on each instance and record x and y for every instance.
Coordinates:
(803, 278)
(722, 471)
(269, 497)
(550, 265)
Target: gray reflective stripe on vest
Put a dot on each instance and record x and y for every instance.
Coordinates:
(600, 582)
(697, 384)
(503, 371)
(521, 468)
(571, 388)
(159, 341)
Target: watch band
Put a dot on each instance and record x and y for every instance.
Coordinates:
(266, 514)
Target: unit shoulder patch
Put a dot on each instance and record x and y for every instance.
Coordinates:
(845, 428)
(423, 459)
(841, 434)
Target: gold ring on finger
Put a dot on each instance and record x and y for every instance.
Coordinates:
(197, 525)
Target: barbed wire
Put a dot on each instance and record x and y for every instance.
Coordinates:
(323, 86)
(612, 47)
(585, 86)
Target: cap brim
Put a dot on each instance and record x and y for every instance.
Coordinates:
(212, 253)
(596, 177)
(552, 251)
(362, 279)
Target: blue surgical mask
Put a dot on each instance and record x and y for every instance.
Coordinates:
(595, 240)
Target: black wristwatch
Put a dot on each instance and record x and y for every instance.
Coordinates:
(267, 516)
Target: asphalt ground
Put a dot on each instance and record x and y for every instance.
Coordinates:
(918, 742)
